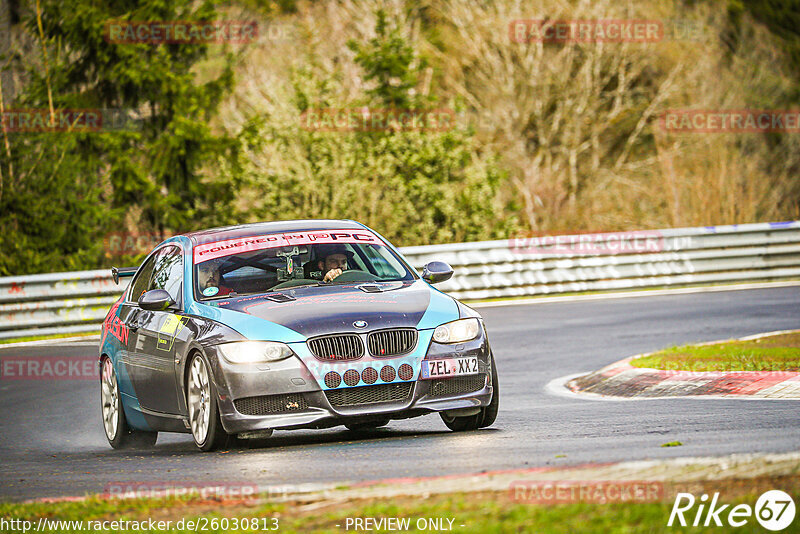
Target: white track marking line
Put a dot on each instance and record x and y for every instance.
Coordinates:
(631, 294)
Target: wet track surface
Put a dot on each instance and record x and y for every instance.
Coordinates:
(52, 442)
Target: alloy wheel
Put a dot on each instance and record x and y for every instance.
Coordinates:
(199, 400)
(109, 396)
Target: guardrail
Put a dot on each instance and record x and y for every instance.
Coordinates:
(75, 302)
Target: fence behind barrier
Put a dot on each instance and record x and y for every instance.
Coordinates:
(74, 302)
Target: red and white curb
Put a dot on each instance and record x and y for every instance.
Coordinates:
(622, 381)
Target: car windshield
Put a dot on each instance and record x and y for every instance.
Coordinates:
(274, 262)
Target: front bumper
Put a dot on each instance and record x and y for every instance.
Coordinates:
(285, 395)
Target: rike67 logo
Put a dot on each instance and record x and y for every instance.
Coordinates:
(774, 510)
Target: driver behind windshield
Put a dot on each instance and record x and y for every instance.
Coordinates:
(333, 260)
(209, 279)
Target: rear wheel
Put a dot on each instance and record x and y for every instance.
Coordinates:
(118, 433)
(201, 399)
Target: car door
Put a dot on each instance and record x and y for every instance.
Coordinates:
(129, 314)
(155, 380)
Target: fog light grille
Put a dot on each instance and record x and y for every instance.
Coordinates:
(351, 377)
(333, 379)
(458, 385)
(369, 375)
(405, 372)
(388, 373)
(271, 404)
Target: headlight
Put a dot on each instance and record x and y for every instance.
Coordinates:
(254, 351)
(457, 331)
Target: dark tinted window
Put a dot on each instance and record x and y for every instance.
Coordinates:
(168, 272)
(142, 280)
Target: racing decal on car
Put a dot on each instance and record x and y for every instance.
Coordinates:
(219, 249)
(210, 291)
(172, 326)
(114, 326)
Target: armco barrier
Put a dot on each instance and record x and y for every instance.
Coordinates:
(78, 301)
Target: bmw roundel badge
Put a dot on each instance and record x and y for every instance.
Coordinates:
(360, 324)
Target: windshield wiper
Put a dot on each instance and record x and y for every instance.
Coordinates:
(310, 284)
(279, 297)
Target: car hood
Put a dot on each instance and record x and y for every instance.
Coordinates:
(319, 310)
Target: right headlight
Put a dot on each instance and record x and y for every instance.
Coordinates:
(457, 331)
(254, 351)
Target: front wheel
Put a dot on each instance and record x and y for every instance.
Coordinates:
(485, 417)
(201, 399)
(461, 424)
(490, 412)
(118, 433)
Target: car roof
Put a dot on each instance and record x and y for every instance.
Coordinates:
(247, 230)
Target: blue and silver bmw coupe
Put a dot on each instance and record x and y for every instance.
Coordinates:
(242, 330)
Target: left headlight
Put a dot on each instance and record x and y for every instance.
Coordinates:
(457, 331)
(254, 351)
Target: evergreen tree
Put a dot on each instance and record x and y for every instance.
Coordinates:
(158, 177)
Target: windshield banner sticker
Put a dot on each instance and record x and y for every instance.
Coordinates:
(228, 247)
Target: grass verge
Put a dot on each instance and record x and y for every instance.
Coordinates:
(772, 353)
(488, 511)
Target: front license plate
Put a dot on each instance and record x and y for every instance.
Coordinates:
(448, 368)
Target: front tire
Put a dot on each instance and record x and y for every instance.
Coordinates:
(115, 426)
(201, 400)
(490, 412)
(487, 415)
(464, 423)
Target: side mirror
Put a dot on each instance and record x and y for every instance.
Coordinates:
(436, 271)
(156, 300)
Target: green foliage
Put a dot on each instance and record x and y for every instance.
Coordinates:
(52, 208)
(565, 139)
(413, 186)
(390, 63)
(782, 17)
(158, 178)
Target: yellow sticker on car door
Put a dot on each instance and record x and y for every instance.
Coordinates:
(173, 324)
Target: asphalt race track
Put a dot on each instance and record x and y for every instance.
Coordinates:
(52, 442)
